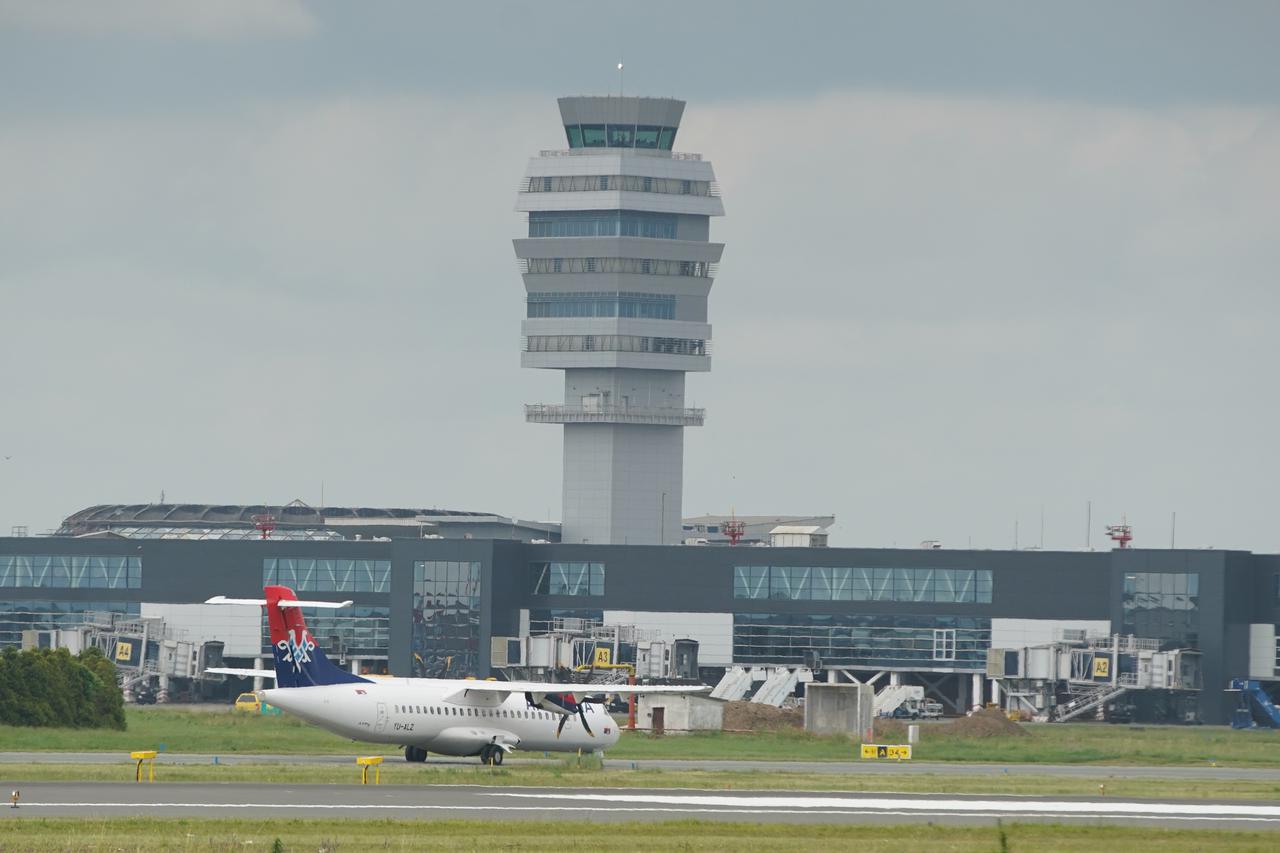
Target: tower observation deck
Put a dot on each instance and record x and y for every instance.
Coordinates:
(617, 267)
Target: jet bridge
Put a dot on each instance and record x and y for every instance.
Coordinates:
(144, 651)
(1108, 677)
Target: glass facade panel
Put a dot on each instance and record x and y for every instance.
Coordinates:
(647, 136)
(631, 266)
(645, 306)
(70, 571)
(843, 583)
(614, 343)
(349, 632)
(610, 223)
(862, 640)
(622, 135)
(567, 578)
(19, 616)
(789, 583)
(627, 183)
(446, 618)
(1162, 606)
(302, 574)
(750, 581)
(619, 136)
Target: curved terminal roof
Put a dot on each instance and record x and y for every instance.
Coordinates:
(292, 514)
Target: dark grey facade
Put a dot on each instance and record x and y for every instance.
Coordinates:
(444, 599)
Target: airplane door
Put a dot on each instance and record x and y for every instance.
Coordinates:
(381, 722)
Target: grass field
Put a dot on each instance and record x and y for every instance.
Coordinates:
(136, 834)
(229, 733)
(566, 775)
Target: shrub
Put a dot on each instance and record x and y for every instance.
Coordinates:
(50, 687)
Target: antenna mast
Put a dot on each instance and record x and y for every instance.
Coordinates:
(1122, 533)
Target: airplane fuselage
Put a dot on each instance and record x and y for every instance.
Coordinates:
(441, 716)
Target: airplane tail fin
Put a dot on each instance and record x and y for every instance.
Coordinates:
(299, 660)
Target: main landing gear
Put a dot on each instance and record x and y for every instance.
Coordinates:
(415, 753)
(492, 755)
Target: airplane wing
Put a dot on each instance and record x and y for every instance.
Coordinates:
(565, 700)
(242, 673)
(288, 602)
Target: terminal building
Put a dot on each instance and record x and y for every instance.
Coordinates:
(435, 606)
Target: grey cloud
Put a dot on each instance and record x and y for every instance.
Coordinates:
(162, 19)
(934, 315)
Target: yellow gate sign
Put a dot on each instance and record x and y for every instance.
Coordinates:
(602, 656)
(896, 752)
(1102, 667)
(124, 650)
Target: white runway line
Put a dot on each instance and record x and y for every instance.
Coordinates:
(942, 806)
(654, 808)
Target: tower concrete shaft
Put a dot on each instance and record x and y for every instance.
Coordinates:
(617, 267)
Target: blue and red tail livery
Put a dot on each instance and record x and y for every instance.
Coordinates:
(299, 660)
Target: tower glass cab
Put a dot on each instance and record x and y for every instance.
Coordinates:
(617, 267)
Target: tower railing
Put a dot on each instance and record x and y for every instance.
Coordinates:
(549, 413)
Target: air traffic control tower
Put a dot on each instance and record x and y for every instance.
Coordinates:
(617, 266)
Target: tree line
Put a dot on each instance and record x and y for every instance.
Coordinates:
(52, 687)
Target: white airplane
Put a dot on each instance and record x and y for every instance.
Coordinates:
(445, 716)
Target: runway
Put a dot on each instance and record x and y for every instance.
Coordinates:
(842, 768)
(440, 802)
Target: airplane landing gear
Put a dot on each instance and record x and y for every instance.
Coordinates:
(415, 753)
(492, 755)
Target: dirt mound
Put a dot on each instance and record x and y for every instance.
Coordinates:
(748, 716)
(985, 723)
(981, 724)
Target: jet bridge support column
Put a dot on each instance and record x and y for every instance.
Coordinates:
(257, 682)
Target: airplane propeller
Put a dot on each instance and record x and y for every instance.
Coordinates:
(581, 710)
(566, 705)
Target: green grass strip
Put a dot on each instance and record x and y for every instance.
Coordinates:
(403, 773)
(285, 836)
(224, 732)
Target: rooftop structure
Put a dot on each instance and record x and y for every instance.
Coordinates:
(755, 529)
(617, 267)
(295, 520)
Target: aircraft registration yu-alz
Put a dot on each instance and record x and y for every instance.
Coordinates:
(448, 716)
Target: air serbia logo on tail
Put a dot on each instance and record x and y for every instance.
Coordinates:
(297, 652)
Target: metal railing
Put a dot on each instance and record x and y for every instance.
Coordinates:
(543, 413)
(713, 190)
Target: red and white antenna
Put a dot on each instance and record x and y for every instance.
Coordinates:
(1122, 533)
(733, 528)
(265, 523)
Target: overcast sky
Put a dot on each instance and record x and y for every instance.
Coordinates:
(985, 262)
